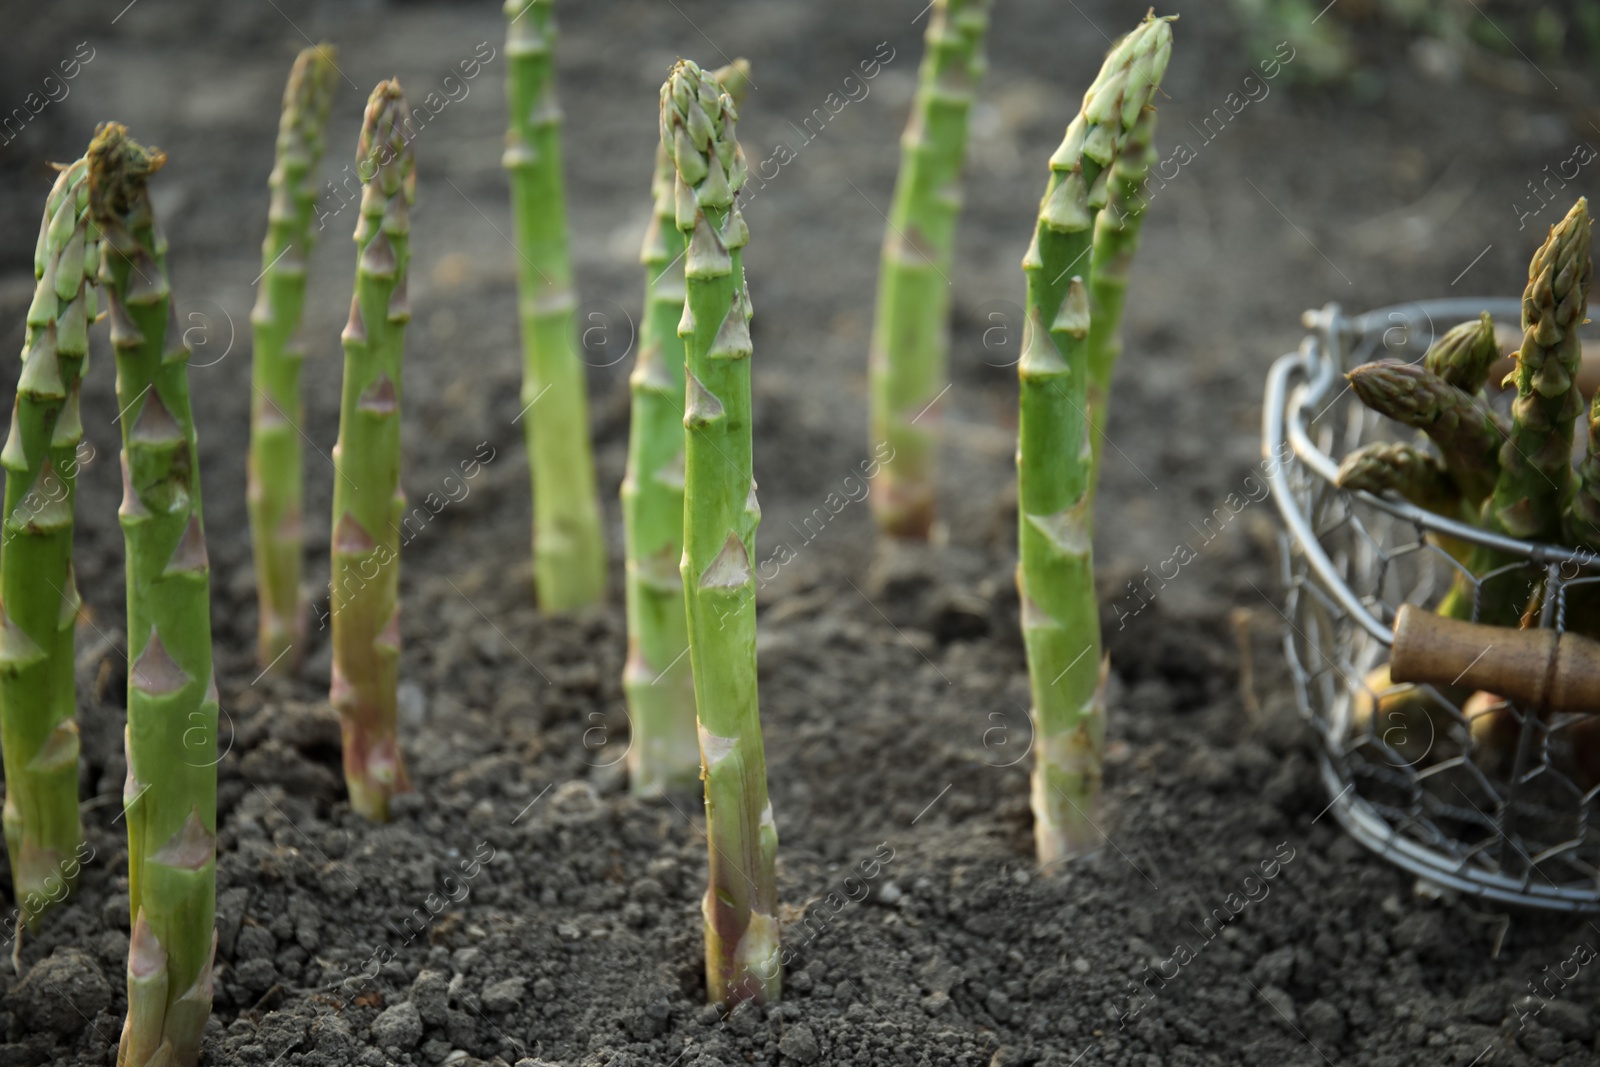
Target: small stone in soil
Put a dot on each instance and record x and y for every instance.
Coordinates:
(398, 1026)
(61, 991)
(799, 1044)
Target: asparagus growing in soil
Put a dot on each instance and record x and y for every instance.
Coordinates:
(911, 331)
(1116, 239)
(569, 559)
(1464, 354)
(38, 705)
(275, 494)
(1055, 577)
(720, 517)
(665, 748)
(1467, 434)
(1536, 460)
(367, 499)
(170, 796)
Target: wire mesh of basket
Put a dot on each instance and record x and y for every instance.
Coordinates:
(1465, 789)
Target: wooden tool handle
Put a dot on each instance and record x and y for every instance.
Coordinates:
(1537, 669)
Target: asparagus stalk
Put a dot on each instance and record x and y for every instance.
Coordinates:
(1415, 474)
(170, 797)
(38, 706)
(1055, 576)
(1116, 239)
(1464, 354)
(367, 500)
(1535, 481)
(275, 495)
(665, 748)
(911, 331)
(720, 516)
(569, 559)
(1583, 519)
(1468, 435)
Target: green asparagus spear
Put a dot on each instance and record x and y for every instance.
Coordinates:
(1116, 239)
(1535, 481)
(911, 333)
(367, 500)
(569, 557)
(1055, 576)
(1583, 519)
(1464, 354)
(665, 748)
(170, 796)
(720, 517)
(1418, 475)
(275, 495)
(38, 706)
(1468, 435)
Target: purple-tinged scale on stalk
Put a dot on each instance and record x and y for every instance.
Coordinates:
(355, 329)
(189, 557)
(17, 649)
(154, 424)
(703, 407)
(731, 568)
(352, 537)
(380, 398)
(191, 848)
(155, 672)
(59, 751)
(1072, 318)
(131, 508)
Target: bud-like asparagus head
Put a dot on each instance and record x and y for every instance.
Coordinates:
(1464, 354)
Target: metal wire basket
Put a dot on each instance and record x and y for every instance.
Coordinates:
(1467, 791)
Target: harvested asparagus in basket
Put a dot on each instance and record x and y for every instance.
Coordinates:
(1464, 354)
(367, 499)
(720, 518)
(1414, 473)
(657, 679)
(1536, 461)
(1055, 576)
(170, 796)
(1467, 434)
(911, 329)
(38, 705)
(275, 494)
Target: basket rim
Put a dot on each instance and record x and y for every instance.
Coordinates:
(1319, 361)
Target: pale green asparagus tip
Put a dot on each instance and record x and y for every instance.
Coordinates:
(698, 120)
(1464, 354)
(734, 79)
(384, 151)
(119, 170)
(307, 98)
(1121, 91)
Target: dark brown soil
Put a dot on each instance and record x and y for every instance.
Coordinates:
(521, 907)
